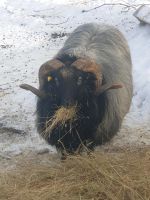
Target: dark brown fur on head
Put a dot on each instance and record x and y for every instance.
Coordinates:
(88, 65)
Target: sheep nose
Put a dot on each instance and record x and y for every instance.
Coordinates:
(67, 102)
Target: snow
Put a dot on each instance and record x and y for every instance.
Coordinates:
(143, 14)
(26, 43)
(140, 46)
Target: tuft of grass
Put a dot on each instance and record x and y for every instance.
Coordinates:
(100, 176)
(61, 116)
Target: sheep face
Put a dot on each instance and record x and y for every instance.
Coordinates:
(68, 115)
(70, 86)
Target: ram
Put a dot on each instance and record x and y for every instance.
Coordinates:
(85, 90)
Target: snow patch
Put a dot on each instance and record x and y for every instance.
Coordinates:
(26, 42)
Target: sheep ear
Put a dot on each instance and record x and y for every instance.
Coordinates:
(106, 87)
(33, 90)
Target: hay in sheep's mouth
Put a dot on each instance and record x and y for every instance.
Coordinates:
(62, 116)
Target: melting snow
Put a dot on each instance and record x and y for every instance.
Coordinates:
(26, 43)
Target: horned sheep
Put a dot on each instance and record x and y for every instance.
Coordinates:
(85, 91)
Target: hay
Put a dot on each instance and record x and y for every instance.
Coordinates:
(61, 116)
(102, 176)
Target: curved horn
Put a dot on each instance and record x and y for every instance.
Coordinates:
(48, 67)
(33, 90)
(108, 86)
(88, 65)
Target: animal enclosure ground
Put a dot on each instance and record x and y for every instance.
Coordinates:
(119, 174)
(31, 33)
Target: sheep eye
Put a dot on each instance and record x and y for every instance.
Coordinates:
(79, 81)
(49, 78)
(57, 81)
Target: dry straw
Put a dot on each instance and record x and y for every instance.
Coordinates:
(61, 116)
(101, 176)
